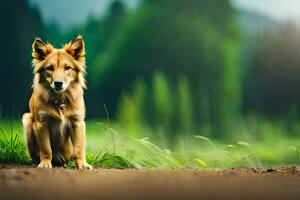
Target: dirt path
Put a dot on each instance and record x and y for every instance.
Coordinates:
(32, 183)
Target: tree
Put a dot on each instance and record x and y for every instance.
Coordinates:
(163, 102)
(272, 80)
(131, 109)
(17, 34)
(194, 38)
(185, 106)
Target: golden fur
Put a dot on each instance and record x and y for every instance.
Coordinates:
(55, 127)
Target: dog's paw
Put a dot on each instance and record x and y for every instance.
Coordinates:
(83, 165)
(45, 164)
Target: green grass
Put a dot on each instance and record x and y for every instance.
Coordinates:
(108, 147)
(12, 148)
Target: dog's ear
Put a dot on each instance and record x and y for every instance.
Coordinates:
(40, 49)
(76, 49)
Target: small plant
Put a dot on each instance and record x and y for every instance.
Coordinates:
(12, 148)
(110, 160)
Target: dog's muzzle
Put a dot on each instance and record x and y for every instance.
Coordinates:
(58, 85)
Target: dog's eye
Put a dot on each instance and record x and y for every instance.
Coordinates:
(67, 67)
(50, 68)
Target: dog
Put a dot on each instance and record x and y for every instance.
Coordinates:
(55, 126)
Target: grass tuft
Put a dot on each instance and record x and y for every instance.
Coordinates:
(110, 160)
(12, 148)
(128, 152)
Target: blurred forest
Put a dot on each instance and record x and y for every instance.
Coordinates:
(177, 66)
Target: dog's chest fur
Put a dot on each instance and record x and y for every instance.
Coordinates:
(59, 112)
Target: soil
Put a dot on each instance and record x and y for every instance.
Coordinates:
(28, 182)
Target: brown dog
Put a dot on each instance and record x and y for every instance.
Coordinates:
(55, 127)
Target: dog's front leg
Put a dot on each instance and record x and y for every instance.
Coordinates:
(78, 140)
(43, 138)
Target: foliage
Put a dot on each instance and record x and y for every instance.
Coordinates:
(185, 105)
(20, 24)
(131, 112)
(162, 102)
(156, 38)
(12, 148)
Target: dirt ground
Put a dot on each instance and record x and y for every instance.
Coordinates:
(27, 182)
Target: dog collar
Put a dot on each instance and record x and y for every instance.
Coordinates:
(61, 106)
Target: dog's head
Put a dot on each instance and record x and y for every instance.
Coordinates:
(59, 68)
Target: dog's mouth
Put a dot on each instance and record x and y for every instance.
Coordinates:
(58, 89)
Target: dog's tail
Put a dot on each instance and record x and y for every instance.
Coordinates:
(27, 121)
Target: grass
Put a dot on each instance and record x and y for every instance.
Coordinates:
(12, 148)
(123, 151)
(106, 147)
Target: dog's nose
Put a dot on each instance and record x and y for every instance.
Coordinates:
(58, 85)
